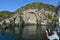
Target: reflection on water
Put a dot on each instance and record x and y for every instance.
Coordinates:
(28, 33)
(33, 33)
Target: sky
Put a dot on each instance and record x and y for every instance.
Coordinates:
(13, 5)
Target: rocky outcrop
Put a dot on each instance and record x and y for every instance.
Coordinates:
(10, 24)
(35, 16)
(32, 16)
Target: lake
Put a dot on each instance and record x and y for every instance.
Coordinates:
(31, 32)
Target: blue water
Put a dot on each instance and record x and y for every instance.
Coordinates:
(6, 37)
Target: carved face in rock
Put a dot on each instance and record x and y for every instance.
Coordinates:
(30, 17)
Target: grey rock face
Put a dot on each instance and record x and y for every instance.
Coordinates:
(33, 15)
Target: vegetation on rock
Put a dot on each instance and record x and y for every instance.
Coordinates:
(5, 14)
(37, 5)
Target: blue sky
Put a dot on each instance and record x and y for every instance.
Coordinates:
(13, 5)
